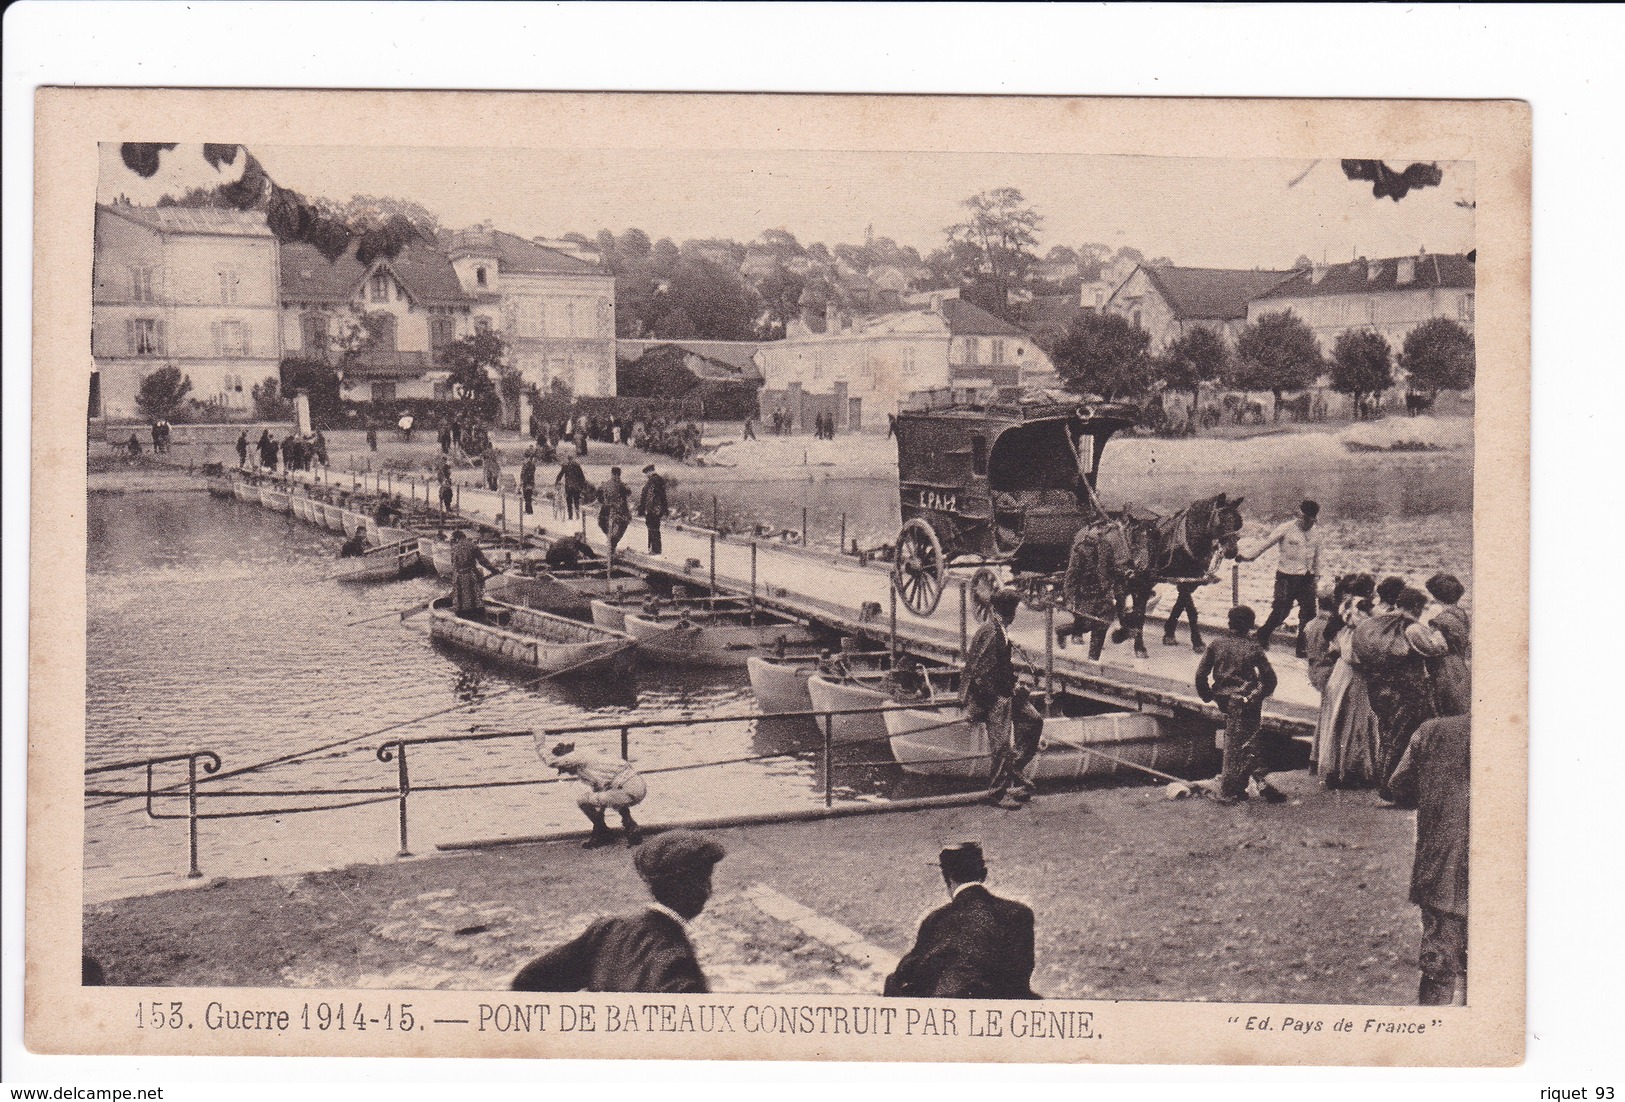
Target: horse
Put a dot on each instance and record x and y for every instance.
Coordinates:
(1182, 548)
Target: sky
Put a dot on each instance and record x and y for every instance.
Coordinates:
(1237, 213)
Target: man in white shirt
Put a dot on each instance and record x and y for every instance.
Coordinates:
(611, 783)
(1296, 566)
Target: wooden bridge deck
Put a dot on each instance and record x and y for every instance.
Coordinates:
(833, 590)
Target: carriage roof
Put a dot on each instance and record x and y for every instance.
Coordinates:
(931, 443)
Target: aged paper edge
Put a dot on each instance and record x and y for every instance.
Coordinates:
(62, 1017)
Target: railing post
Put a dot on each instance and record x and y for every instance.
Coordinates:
(1049, 656)
(459, 505)
(713, 565)
(804, 526)
(502, 511)
(396, 751)
(715, 519)
(626, 743)
(753, 577)
(829, 755)
(192, 872)
(842, 544)
(964, 621)
(891, 591)
(1235, 584)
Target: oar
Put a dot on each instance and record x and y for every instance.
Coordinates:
(403, 613)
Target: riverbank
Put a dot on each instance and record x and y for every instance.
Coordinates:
(1137, 897)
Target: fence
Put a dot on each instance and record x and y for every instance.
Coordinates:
(397, 751)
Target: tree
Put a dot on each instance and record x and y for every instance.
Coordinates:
(163, 393)
(1438, 355)
(633, 244)
(1196, 357)
(1276, 353)
(1103, 354)
(1003, 230)
(1362, 364)
(321, 385)
(476, 363)
(269, 404)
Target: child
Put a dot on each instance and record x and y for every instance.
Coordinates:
(1241, 677)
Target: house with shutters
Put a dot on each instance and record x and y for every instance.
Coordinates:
(1168, 302)
(1392, 295)
(553, 303)
(189, 288)
(403, 310)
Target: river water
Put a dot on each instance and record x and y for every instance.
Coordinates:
(213, 625)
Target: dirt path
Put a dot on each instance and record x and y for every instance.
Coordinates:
(1138, 897)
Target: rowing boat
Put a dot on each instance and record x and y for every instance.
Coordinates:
(944, 743)
(855, 693)
(333, 517)
(246, 491)
(273, 498)
(536, 641)
(714, 639)
(780, 684)
(388, 563)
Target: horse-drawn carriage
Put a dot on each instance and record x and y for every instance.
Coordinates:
(996, 486)
(1006, 488)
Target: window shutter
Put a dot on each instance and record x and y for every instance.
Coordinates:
(159, 347)
(219, 339)
(129, 335)
(247, 349)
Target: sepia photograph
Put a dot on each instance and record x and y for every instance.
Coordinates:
(873, 584)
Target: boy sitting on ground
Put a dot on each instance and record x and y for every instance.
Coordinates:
(1236, 675)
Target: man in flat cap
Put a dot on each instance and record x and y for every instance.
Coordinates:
(648, 951)
(611, 783)
(977, 946)
(652, 505)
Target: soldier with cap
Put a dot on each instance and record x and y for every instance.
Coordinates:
(644, 952)
(611, 783)
(652, 505)
(977, 946)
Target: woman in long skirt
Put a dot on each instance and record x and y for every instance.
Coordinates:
(1346, 736)
(1452, 673)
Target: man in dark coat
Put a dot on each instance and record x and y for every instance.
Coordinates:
(467, 583)
(527, 478)
(1433, 777)
(574, 481)
(978, 946)
(242, 449)
(645, 952)
(614, 508)
(990, 688)
(652, 505)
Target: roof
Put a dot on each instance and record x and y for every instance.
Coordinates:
(1212, 294)
(968, 320)
(203, 220)
(737, 356)
(426, 273)
(1354, 278)
(1052, 313)
(516, 254)
(704, 367)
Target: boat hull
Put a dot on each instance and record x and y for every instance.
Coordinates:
(534, 641)
(273, 498)
(711, 642)
(944, 744)
(842, 696)
(246, 491)
(333, 517)
(780, 686)
(384, 566)
(544, 594)
(220, 487)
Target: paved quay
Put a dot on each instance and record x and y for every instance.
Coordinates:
(1137, 897)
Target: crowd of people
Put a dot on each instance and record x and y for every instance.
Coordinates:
(294, 452)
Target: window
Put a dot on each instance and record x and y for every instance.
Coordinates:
(141, 284)
(313, 335)
(228, 287)
(908, 362)
(145, 336)
(973, 350)
(1137, 319)
(482, 325)
(380, 286)
(569, 319)
(479, 276)
(231, 338)
(1464, 307)
(997, 351)
(442, 331)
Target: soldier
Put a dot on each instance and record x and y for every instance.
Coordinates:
(527, 478)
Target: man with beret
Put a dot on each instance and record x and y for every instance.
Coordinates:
(652, 506)
(648, 951)
(977, 946)
(611, 783)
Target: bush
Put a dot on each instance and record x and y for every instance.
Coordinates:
(321, 385)
(163, 394)
(1103, 354)
(1276, 353)
(1362, 363)
(269, 404)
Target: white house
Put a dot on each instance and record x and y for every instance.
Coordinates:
(555, 309)
(861, 368)
(1168, 302)
(193, 289)
(1392, 295)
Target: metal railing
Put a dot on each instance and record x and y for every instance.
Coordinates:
(396, 751)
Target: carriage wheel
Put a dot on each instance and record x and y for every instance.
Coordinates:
(918, 571)
(983, 584)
